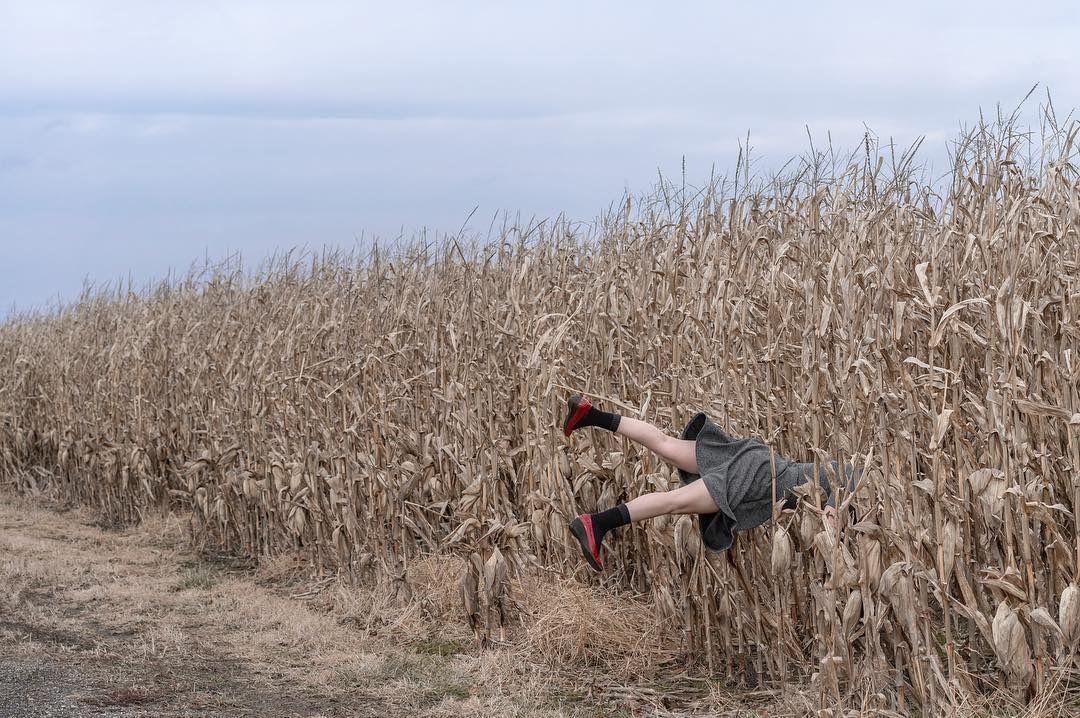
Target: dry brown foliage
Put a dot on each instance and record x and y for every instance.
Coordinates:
(366, 412)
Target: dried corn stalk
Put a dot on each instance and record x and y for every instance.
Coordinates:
(364, 410)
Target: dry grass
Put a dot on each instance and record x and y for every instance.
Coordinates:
(364, 413)
(106, 604)
(569, 626)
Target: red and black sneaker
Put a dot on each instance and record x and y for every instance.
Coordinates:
(582, 528)
(577, 407)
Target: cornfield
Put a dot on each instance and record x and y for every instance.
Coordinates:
(369, 409)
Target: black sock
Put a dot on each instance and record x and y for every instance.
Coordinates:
(603, 419)
(613, 518)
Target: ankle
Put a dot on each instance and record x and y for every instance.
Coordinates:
(609, 520)
(581, 412)
(602, 419)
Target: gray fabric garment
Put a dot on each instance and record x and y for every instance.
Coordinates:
(738, 475)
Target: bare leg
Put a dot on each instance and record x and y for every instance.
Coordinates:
(693, 498)
(590, 529)
(677, 452)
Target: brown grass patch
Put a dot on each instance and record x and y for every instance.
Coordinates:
(120, 697)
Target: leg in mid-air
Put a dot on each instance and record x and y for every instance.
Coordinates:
(731, 482)
(692, 498)
(677, 452)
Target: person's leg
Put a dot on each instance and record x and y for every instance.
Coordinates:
(590, 529)
(677, 452)
(693, 498)
(680, 453)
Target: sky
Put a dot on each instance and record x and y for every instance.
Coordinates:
(139, 137)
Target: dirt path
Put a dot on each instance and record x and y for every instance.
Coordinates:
(94, 622)
(130, 623)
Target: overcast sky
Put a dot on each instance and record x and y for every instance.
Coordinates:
(138, 136)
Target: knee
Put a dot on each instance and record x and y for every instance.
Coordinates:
(678, 501)
(685, 500)
(666, 445)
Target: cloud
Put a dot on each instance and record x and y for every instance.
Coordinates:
(411, 58)
(137, 136)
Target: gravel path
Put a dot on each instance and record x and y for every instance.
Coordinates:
(39, 688)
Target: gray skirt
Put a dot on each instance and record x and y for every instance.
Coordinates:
(738, 474)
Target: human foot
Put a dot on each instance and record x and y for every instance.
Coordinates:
(584, 532)
(581, 412)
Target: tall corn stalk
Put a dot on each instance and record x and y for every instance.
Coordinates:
(365, 410)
